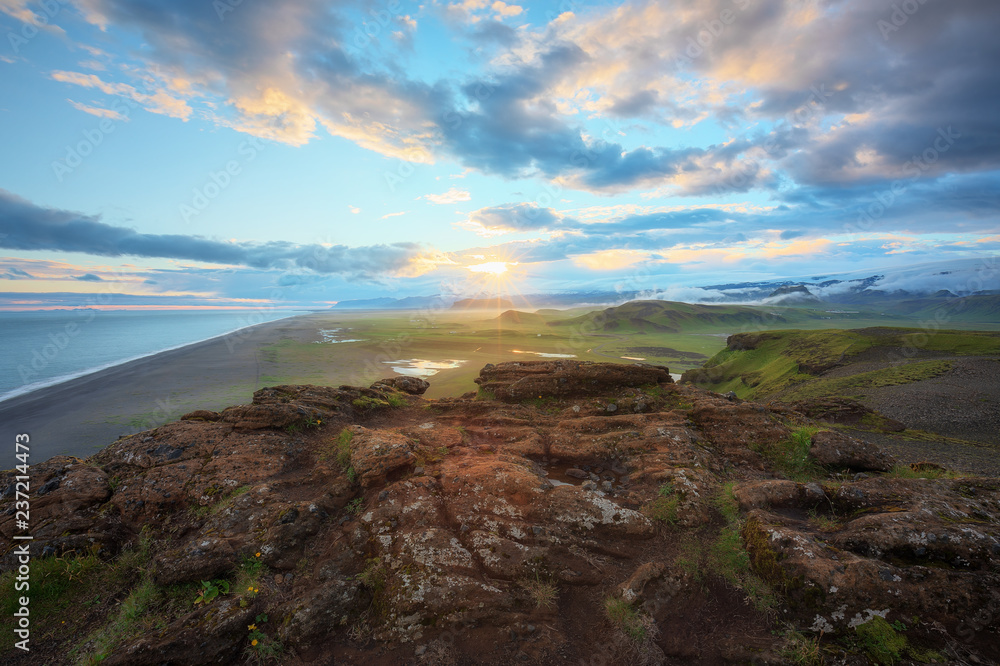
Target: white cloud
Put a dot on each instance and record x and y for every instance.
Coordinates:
(453, 195)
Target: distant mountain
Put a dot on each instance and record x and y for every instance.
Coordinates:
(792, 294)
(517, 318)
(667, 317)
(483, 304)
(890, 291)
(384, 303)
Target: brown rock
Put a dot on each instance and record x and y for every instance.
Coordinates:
(838, 451)
(411, 385)
(483, 553)
(201, 415)
(375, 454)
(518, 381)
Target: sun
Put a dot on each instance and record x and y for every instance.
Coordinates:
(491, 267)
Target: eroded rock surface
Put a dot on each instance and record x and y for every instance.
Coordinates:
(472, 530)
(515, 381)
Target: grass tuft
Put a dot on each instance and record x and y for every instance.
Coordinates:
(542, 593)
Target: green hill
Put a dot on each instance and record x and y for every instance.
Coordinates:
(518, 318)
(672, 317)
(790, 364)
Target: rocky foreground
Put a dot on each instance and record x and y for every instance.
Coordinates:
(568, 513)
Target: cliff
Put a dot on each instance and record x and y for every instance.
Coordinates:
(569, 513)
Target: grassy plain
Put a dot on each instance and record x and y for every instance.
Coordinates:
(680, 336)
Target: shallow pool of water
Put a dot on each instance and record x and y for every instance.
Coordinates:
(418, 367)
(543, 354)
(334, 335)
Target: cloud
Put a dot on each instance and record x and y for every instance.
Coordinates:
(98, 111)
(14, 273)
(24, 226)
(388, 215)
(155, 101)
(453, 195)
(289, 73)
(88, 277)
(510, 218)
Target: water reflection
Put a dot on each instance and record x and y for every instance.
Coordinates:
(417, 367)
(543, 354)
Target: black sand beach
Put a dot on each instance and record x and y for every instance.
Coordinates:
(83, 415)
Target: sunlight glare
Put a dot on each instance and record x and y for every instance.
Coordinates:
(491, 267)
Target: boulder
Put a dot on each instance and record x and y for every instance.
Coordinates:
(411, 385)
(838, 451)
(516, 381)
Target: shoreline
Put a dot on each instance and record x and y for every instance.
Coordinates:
(63, 379)
(81, 415)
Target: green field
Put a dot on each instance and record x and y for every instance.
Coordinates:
(678, 335)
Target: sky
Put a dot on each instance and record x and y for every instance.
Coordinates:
(224, 153)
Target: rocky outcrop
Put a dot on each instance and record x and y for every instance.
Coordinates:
(846, 411)
(518, 381)
(839, 451)
(368, 526)
(411, 385)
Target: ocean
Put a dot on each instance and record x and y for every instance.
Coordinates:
(45, 348)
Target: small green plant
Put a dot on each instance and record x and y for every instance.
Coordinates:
(210, 589)
(823, 523)
(920, 471)
(344, 440)
(224, 500)
(484, 394)
(375, 578)
(791, 456)
(355, 507)
(312, 423)
(261, 648)
(248, 574)
(542, 593)
(688, 559)
(801, 650)
(626, 618)
(365, 404)
(880, 642)
(663, 509)
(726, 504)
(395, 400)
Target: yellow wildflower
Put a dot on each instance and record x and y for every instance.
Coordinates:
(251, 627)
(253, 642)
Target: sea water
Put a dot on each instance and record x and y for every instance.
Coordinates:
(44, 348)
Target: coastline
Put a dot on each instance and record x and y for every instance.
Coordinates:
(56, 381)
(84, 414)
